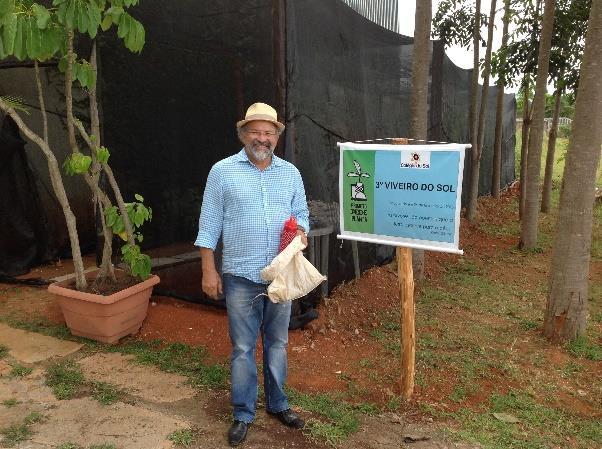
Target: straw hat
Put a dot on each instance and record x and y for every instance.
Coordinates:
(261, 111)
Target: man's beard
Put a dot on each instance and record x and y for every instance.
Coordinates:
(260, 155)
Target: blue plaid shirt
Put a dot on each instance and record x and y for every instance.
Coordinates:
(248, 208)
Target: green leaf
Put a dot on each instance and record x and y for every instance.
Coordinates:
(111, 215)
(70, 14)
(106, 22)
(81, 18)
(76, 164)
(34, 39)
(63, 64)
(42, 16)
(74, 71)
(102, 154)
(133, 34)
(124, 25)
(139, 37)
(62, 12)
(6, 7)
(85, 74)
(20, 50)
(58, 2)
(2, 51)
(138, 197)
(9, 33)
(115, 12)
(94, 19)
(50, 42)
(118, 227)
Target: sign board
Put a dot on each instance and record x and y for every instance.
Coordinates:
(402, 195)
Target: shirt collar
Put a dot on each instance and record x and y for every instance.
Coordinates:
(241, 156)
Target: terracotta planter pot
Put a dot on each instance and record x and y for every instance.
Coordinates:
(104, 318)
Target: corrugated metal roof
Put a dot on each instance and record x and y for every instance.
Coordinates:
(382, 12)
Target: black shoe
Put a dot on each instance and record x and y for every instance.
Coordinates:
(289, 418)
(237, 433)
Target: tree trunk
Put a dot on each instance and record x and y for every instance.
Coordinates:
(41, 100)
(69, 94)
(566, 311)
(529, 223)
(106, 266)
(524, 147)
(546, 198)
(419, 97)
(473, 190)
(472, 211)
(59, 191)
(496, 173)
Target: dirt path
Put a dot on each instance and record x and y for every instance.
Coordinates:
(154, 404)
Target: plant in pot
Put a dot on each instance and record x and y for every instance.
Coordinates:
(33, 31)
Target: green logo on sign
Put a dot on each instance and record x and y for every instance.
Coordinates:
(358, 193)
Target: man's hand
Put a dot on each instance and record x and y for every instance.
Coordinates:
(303, 236)
(211, 281)
(212, 284)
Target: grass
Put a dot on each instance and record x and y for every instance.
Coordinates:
(581, 347)
(65, 378)
(338, 419)
(562, 144)
(42, 326)
(538, 426)
(3, 351)
(183, 437)
(19, 370)
(105, 393)
(12, 435)
(190, 361)
(8, 403)
(478, 344)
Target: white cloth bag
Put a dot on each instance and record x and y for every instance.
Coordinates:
(291, 274)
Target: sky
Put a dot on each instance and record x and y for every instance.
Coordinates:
(460, 56)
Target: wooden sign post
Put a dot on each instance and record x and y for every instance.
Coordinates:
(405, 274)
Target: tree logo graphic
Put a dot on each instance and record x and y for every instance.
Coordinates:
(357, 189)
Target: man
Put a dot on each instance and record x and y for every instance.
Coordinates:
(247, 199)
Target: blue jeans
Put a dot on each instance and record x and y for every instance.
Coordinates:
(249, 311)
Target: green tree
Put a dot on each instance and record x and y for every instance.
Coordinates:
(519, 68)
(570, 26)
(566, 310)
(496, 173)
(529, 222)
(458, 22)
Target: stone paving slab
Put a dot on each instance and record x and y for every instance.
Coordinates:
(29, 393)
(143, 381)
(30, 347)
(86, 422)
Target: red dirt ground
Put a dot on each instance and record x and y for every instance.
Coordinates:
(336, 353)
